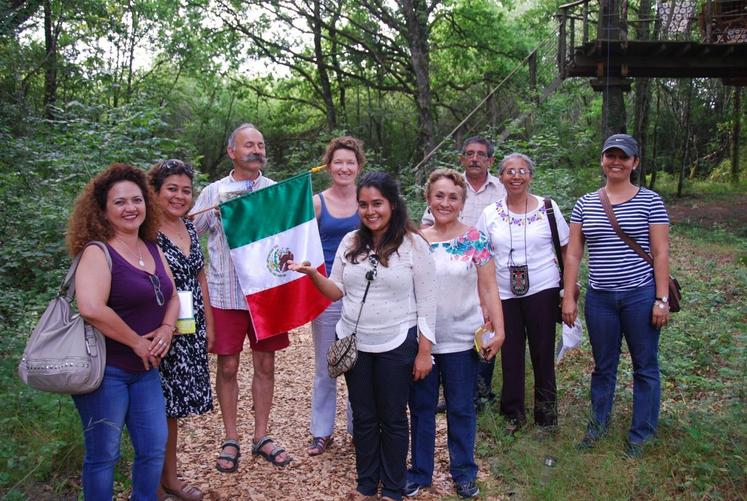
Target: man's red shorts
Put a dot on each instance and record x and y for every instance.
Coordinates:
(232, 326)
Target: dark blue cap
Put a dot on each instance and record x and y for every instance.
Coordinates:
(623, 142)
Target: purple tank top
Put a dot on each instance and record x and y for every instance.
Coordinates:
(331, 231)
(132, 296)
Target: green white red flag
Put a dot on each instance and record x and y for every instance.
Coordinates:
(265, 229)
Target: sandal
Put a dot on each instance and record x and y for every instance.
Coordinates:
(319, 445)
(272, 456)
(187, 492)
(233, 459)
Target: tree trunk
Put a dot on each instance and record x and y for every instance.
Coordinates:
(736, 131)
(416, 20)
(642, 94)
(131, 55)
(613, 111)
(653, 146)
(321, 67)
(50, 62)
(686, 138)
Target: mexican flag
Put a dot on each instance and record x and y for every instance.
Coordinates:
(265, 229)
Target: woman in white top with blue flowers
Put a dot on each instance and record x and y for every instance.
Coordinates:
(395, 331)
(529, 282)
(465, 275)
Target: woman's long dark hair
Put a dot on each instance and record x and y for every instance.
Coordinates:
(399, 224)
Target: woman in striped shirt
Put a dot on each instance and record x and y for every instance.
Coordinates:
(626, 297)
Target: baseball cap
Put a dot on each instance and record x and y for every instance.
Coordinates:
(622, 141)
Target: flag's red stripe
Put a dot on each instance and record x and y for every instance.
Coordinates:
(286, 307)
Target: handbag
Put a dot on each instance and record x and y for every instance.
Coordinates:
(559, 255)
(64, 353)
(675, 291)
(343, 353)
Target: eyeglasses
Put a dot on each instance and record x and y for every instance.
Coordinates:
(373, 260)
(478, 154)
(174, 164)
(156, 283)
(520, 171)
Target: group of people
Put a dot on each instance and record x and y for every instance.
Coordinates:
(430, 307)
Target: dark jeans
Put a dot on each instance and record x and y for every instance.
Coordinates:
(378, 387)
(610, 316)
(457, 373)
(530, 318)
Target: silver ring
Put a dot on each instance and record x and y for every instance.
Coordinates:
(160, 341)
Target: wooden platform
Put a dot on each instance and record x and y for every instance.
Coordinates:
(673, 59)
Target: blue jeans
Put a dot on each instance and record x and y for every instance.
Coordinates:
(457, 372)
(124, 398)
(324, 392)
(378, 386)
(610, 316)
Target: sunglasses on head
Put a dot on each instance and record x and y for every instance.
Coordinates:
(174, 165)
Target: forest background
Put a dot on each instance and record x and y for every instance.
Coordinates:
(90, 82)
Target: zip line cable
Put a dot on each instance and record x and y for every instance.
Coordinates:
(481, 103)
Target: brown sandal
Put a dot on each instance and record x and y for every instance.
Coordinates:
(319, 445)
(186, 492)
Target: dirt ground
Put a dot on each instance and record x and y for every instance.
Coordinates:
(331, 475)
(326, 477)
(702, 210)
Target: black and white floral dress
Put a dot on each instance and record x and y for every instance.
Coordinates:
(185, 377)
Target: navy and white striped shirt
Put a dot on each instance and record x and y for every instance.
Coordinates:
(613, 265)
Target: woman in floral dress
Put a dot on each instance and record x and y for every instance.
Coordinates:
(465, 275)
(185, 378)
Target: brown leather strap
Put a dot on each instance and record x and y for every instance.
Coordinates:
(616, 226)
(555, 237)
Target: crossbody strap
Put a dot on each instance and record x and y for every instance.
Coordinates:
(67, 289)
(370, 275)
(616, 226)
(555, 236)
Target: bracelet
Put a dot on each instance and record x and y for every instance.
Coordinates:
(173, 327)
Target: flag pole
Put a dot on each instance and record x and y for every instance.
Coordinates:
(313, 170)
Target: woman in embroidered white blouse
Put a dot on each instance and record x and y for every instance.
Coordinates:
(464, 270)
(395, 331)
(529, 282)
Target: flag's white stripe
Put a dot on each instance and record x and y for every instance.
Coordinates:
(251, 261)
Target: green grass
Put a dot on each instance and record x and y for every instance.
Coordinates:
(701, 448)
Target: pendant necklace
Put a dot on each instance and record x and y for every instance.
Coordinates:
(140, 260)
(519, 274)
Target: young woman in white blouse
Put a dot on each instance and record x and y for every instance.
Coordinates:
(395, 331)
(464, 270)
(528, 279)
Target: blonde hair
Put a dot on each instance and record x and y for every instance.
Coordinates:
(451, 174)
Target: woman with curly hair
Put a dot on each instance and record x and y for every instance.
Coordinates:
(387, 264)
(134, 304)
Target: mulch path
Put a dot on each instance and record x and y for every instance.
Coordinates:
(329, 476)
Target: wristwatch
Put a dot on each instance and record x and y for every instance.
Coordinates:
(662, 302)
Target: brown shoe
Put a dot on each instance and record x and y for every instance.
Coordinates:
(357, 496)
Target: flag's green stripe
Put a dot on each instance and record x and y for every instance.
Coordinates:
(268, 211)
